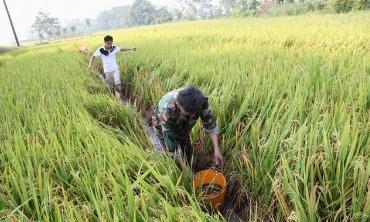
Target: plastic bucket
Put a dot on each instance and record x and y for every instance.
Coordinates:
(211, 177)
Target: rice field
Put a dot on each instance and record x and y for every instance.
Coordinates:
(292, 98)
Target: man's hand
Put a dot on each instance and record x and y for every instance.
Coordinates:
(218, 159)
(127, 49)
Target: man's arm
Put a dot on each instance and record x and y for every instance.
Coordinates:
(127, 49)
(209, 123)
(91, 61)
(219, 159)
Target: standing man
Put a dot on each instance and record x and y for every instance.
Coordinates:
(175, 116)
(111, 71)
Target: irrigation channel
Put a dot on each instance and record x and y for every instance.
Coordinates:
(237, 204)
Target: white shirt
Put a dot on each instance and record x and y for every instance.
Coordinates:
(109, 60)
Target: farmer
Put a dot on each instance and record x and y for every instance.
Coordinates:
(175, 116)
(111, 71)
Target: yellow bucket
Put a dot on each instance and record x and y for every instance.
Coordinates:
(214, 179)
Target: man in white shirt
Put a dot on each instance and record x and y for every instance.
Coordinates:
(108, 54)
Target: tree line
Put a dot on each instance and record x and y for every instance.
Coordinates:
(143, 12)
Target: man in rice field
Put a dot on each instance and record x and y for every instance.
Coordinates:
(111, 71)
(175, 116)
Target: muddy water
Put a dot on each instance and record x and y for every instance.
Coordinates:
(152, 137)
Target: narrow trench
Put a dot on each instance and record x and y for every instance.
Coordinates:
(237, 200)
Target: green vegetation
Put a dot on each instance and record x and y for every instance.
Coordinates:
(292, 98)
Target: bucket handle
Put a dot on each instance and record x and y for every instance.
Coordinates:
(218, 169)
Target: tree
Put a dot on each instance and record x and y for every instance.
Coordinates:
(50, 34)
(46, 26)
(117, 17)
(121, 17)
(229, 5)
(162, 15)
(65, 31)
(197, 9)
(87, 25)
(187, 10)
(218, 12)
(178, 13)
(348, 5)
(142, 12)
(73, 29)
(58, 33)
(104, 21)
(242, 5)
(87, 22)
(205, 8)
(361, 4)
(253, 5)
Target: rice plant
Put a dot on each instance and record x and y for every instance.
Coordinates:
(292, 98)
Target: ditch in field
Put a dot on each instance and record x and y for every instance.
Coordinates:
(238, 205)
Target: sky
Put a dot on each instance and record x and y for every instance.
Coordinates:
(23, 13)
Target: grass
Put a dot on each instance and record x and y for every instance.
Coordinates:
(69, 155)
(292, 98)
